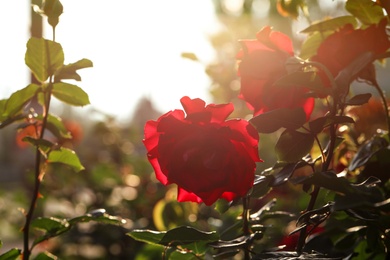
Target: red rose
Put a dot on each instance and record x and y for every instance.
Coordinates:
(205, 155)
(345, 45)
(262, 63)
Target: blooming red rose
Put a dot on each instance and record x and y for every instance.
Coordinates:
(345, 45)
(207, 156)
(262, 63)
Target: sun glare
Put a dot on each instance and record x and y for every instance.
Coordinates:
(135, 47)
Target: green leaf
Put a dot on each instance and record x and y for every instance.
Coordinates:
(69, 71)
(12, 254)
(45, 256)
(19, 99)
(52, 227)
(70, 94)
(177, 236)
(147, 236)
(365, 10)
(52, 9)
(43, 57)
(272, 121)
(309, 80)
(44, 145)
(67, 157)
(317, 125)
(185, 235)
(311, 44)
(358, 100)
(293, 145)
(57, 127)
(98, 215)
(330, 24)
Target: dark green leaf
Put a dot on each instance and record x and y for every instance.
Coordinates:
(147, 236)
(19, 99)
(52, 9)
(366, 151)
(70, 94)
(365, 10)
(69, 71)
(349, 73)
(274, 120)
(261, 186)
(43, 57)
(57, 127)
(228, 254)
(292, 146)
(67, 157)
(185, 235)
(11, 254)
(317, 125)
(311, 44)
(331, 24)
(309, 80)
(358, 100)
(45, 256)
(235, 243)
(285, 173)
(330, 181)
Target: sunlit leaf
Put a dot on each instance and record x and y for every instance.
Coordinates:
(52, 227)
(57, 127)
(311, 44)
(293, 145)
(365, 10)
(98, 215)
(67, 157)
(69, 71)
(330, 24)
(11, 254)
(52, 9)
(147, 236)
(19, 99)
(272, 121)
(45, 256)
(43, 57)
(70, 94)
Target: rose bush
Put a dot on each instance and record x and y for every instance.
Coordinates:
(261, 63)
(207, 156)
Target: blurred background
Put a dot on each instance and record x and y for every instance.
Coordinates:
(146, 55)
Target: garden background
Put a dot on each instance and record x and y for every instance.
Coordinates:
(117, 175)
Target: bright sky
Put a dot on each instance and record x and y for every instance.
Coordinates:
(135, 47)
